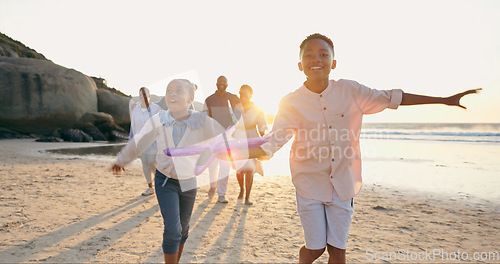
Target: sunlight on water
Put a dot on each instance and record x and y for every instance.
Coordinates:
(466, 132)
(459, 160)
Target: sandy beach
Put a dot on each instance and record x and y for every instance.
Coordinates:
(63, 209)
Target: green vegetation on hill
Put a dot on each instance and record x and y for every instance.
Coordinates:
(13, 48)
(101, 84)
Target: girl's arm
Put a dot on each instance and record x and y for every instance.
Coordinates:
(454, 100)
(138, 144)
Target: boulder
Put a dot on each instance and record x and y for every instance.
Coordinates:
(95, 118)
(9, 134)
(74, 135)
(38, 96)
(116, 135)
(113, 132)
(48, 139)
(115, 105)
(92, 131)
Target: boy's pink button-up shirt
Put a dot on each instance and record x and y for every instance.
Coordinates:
(325, 154)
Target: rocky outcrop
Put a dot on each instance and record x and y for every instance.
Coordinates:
(9, 134)
(48, 139)
(101, 83)
(95, 118)
(113, 132)
(16, 49)
(115, 105)
(91, 130)
(101, 127)
(74, 135)
(38, 96)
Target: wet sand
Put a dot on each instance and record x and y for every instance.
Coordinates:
(57, 208)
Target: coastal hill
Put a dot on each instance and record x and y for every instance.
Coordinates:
(13, 48)
(41, 98)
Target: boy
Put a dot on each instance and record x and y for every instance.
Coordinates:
(325, 160)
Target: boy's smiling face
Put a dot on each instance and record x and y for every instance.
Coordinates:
(316, 60)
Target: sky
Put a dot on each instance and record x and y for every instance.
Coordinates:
(424, 47)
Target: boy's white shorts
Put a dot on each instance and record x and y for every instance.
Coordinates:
(325, 223)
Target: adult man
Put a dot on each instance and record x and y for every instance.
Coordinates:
(139, 115)
(225, 108)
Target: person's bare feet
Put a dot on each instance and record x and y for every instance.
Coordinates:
(241, 194)
(211, 192)
(248, 202)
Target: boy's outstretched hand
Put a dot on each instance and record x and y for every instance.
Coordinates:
(117, 169)
(454, 100)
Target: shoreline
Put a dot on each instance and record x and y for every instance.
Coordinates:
(56, 208)
(50, 150)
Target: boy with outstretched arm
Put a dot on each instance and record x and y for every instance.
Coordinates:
(325, 160)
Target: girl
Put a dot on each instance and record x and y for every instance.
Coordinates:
(175, 183)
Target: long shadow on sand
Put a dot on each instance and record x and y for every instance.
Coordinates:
(25, 252)
(238, 237)
(209, 217)
(223, 246)
(226, 244)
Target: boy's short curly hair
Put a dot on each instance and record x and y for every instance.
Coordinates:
(316, 36)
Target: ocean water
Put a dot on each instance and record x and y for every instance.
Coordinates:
(456, 161)
(439, 132)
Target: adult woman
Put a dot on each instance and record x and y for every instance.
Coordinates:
(254, 125)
